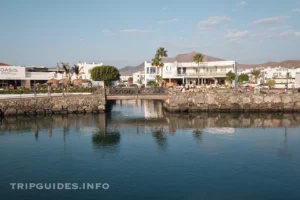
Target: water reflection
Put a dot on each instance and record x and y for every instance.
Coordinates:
(284, 152)
(147, 116)
(160, 136)
(197, 133)
(136, 149)
(107, 139)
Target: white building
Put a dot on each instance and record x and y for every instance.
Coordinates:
(124, 79)
(86, 69)
(139, 77)
(26, 76)
(281, 75)
(177, 73)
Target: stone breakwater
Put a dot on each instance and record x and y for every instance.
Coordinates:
(231, 101)
(53, 105)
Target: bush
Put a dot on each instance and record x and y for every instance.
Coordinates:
(152, 84)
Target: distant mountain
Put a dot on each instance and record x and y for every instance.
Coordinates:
(188, 57)
(129, 70)
(3, 64)
(286, 64)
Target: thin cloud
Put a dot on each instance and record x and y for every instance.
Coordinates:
(168, 21)
(243, 3)
(270, 20)
(296, 10)
(285, 34)
(237, 36)
(106, 31)
(134, 31)
(213, 21)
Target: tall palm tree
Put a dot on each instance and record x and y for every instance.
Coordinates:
(161, 53)
(77, 70)
(198, 58)
(67, 70)
(255, 73)
(156, 61)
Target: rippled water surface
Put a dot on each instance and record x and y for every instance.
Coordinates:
(144, 153)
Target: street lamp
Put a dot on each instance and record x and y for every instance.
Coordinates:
(63, 86)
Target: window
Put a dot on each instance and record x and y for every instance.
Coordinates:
(151, 70)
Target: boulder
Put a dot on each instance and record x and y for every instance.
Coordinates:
(72, 108)
(56, 108)
(286, 99)
(88, 109)
(10, 111)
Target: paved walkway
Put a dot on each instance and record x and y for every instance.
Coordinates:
(22, 96)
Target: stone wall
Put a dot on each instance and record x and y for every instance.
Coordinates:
(54, 105)
(230, 101)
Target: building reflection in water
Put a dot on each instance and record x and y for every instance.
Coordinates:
(198, 135)
(284, 152)
(160, 136)
(147, 117)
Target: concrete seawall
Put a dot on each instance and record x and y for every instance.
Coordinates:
(230, 101)
(54, 105)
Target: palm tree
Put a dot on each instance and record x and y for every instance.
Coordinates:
(255, 73)
(156, 61)
(159, 79)
(198, 58)
(67, 70)
(161, 53)
(77, 70)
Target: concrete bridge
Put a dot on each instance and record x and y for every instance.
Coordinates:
(124, 93)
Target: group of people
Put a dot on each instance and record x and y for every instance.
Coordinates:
(293, 88)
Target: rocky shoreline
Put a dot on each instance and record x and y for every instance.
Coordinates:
(53, 105)
(230, 101)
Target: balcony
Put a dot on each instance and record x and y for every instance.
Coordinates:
(206, 74)
(40, 75)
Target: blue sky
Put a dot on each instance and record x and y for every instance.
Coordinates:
(128, 32)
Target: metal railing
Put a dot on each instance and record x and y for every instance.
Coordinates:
(115, 91)
(202, 74)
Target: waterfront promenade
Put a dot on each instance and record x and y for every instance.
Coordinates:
(23, 96)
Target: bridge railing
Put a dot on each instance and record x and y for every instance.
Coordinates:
(115, 91)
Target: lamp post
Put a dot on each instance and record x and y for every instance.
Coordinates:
(63, 86)
(34, 88)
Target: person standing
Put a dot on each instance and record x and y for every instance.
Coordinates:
(286, 88)
(293, 88)
(49, 90)
(34, 90)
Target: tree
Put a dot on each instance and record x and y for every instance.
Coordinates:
(152, 83)
(77, 70)
(105, 73)
(230, 76)
(255, 73)
(161, 53)
(243, 77)
(159, 79)
(271, 83)
(156, 61)
(67, 70)
(130, 80)
(198, 58)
